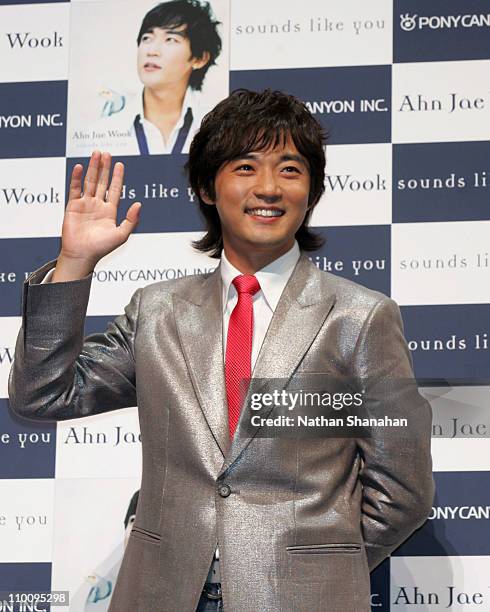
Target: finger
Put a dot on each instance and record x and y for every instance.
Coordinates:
(115, 187)
(90, 182)
(103, 176)
(131, 220)
(75, 191)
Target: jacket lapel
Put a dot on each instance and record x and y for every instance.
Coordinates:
(199, 318)
(303, 307)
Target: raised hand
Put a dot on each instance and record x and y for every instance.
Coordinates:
(89, 225)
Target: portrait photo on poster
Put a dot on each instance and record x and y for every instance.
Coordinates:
(142, 75)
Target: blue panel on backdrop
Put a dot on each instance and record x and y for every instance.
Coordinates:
(97, 324)
(160, 184)
(25, 577)
(380, 587)
(27, 448)
(18, 258)
(458, 523)
(449, 341)
(441, 182)
(360, 253)
(352, 102)
(33, 119)
(440, 30)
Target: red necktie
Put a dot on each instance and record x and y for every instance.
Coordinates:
(239, 347)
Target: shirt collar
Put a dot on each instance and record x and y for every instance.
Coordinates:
(272, 277)
(191, 100)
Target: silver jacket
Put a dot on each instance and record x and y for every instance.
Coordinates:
(300, 522)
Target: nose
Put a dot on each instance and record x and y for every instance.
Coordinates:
(267, 187)
(153, 48)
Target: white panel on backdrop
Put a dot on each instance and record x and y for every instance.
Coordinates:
(102, 446)
(9, 328)
(89, 533)
(101, 101)
(26, 520)
(440, 263)
(357, 186)
(144, 259)
(34, 42)
(291, 34)
(460, 454)
(460, 427)
(441, 101)
(32, 194)
(433, 584)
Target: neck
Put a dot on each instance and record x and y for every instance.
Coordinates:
(252, 262)
(158, 103)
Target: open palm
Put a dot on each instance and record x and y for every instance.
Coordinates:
(89, 226)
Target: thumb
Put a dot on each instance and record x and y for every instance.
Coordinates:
(131, 220)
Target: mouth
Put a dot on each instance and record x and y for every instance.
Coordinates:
(265, 212)
(150, 66)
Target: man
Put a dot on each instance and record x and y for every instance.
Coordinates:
(178, 42)
(301, 521)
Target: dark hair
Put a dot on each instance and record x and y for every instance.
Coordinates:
(201, 30)
(131, 511)
(250, 121)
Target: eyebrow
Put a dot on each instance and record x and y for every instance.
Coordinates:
(283, 158)
(179, 32)
(182, 33)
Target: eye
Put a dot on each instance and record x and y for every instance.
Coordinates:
(291, 168)
(246, 167)
(172, 39)
(145, 38)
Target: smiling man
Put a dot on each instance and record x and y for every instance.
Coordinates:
(178, 42)
(229, 520)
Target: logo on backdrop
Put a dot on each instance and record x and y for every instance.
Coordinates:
(312, 24)
(23, 195)
(28, 40)
(27, 448)
(359, 112)
(440, 30)
(448, 341)
(448, 597)
(465, 513)
(360, 253)
(458, 522)
(437, 22)
(441, 182)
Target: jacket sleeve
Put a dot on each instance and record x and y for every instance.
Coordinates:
(396, 472)
(56, 374)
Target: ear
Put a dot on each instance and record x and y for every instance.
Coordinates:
(205, 197)
(200, 62)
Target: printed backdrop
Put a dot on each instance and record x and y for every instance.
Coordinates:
(403, 88)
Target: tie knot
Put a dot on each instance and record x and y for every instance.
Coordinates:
(246, 283)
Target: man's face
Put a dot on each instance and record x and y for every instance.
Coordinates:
(250, 189)
(165, 57)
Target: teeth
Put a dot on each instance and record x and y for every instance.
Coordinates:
(263, 212)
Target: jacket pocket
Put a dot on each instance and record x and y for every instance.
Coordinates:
(323, 549)
(144, 534)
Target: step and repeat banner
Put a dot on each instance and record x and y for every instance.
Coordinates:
(402, 87)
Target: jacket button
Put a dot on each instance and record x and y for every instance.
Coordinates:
(224, 490)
